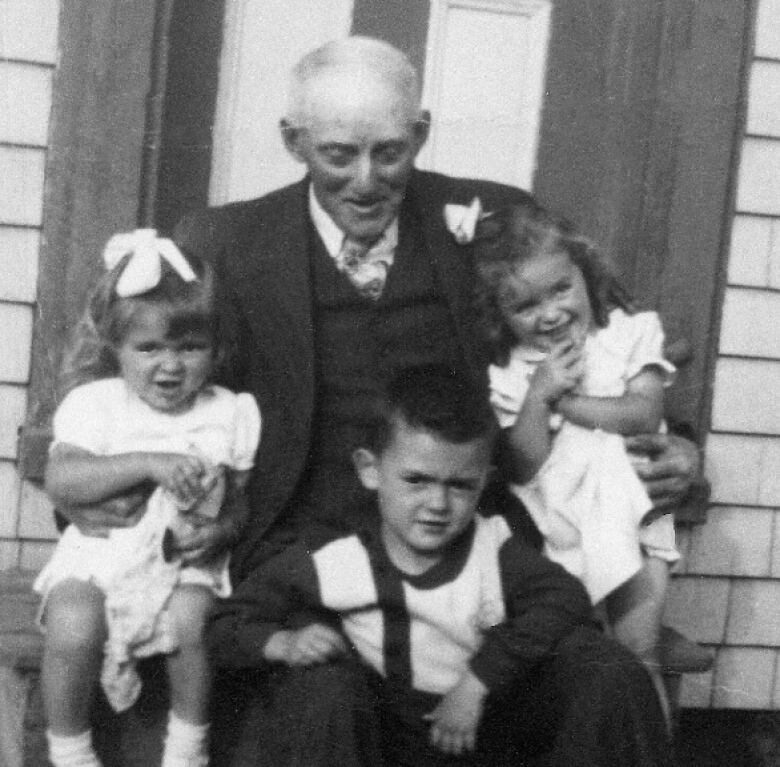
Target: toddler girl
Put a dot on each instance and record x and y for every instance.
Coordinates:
(153, 328)
(574, 371)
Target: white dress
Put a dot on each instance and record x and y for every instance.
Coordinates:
(586, 499)
(106, 418)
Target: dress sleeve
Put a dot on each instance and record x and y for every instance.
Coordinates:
(246, 432)
(647, 347)
(508, 387)
(84, 418)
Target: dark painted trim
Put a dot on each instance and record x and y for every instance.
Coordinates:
(183, 164)
(92, 177)
(404, 24)
(637, 145)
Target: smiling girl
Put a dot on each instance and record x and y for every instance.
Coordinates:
(576, 370)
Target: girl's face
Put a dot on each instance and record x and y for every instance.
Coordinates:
(545, 303)
(166, 373)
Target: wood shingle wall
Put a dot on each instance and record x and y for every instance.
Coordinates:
(728, 591)
(28, 56)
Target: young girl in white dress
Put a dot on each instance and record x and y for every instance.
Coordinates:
(154, 419)
(575, 370)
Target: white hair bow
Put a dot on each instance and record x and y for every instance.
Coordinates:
(143, 270)
(462, 220)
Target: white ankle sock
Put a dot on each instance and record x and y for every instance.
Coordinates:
(186, 744)
(72, 750)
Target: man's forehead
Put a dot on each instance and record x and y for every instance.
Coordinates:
(352, 95)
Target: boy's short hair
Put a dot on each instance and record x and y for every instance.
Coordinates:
(434, 398)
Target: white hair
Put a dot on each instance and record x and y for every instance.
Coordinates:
(354, 56)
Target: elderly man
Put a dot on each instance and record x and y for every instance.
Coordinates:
(343, 278)
(337, 282)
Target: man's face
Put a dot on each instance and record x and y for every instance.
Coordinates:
(428, 489)
(359, 140)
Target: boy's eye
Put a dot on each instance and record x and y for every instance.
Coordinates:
(194, 346)
(463, 486)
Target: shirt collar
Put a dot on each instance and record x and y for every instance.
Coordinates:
(331, 234)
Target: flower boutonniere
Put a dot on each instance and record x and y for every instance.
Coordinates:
(462, 220)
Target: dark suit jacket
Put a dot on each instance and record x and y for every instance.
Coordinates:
(261, 249)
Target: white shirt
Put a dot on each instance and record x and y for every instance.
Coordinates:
(331, 234)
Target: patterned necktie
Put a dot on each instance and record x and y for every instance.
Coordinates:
(365, 266)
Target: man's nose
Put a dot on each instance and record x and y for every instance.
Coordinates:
(438, 499)
(365, 173)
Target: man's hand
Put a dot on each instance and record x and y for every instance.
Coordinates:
(456, 719)
(308, 646)
(98, 519)
(199, 540)
(667, 464)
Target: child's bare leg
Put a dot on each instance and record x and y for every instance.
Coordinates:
(635, 611)
(72, 657)
(190, 679)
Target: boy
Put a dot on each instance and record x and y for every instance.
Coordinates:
(450, 613)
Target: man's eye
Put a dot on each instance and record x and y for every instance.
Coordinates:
(146, 348)
(337, 155)
(415, 479)
(563, 286)
(390, 154)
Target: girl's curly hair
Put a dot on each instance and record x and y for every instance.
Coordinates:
(519, 232)
(107, 318)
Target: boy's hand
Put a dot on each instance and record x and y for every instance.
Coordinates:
(179, 474)
(308, 646)
(456, 719)
(559, 373)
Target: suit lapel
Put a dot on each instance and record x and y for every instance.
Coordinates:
(452, 263)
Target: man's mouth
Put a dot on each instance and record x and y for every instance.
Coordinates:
(168, 386)
(366, 206)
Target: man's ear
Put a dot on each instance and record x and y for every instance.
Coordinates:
(291, 137)
(367, 467)
(422, 128)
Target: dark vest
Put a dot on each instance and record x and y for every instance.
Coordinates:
(359, 344)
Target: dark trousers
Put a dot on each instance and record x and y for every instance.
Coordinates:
(591, 705)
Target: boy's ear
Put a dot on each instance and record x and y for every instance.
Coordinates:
(366, 466)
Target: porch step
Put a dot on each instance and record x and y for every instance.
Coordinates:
(22, 742)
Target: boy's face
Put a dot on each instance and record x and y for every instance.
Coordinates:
(428, 490)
